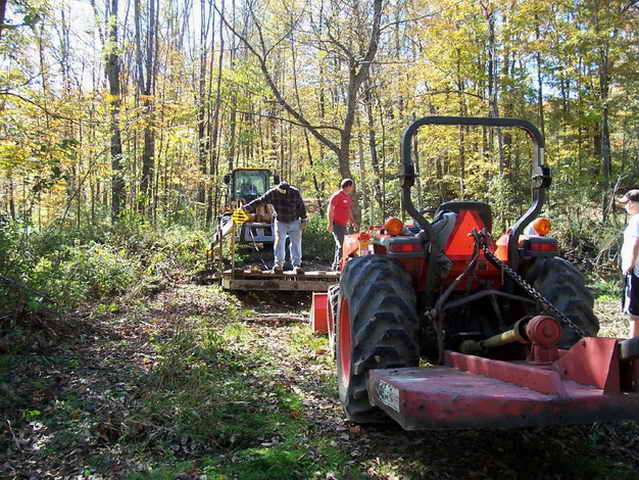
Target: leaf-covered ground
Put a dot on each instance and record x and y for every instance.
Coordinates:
(194, 383)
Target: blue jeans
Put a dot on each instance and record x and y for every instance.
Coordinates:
(294, 232)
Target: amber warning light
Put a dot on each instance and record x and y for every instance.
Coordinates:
(364, 240)
(393, 226)
(541, 225)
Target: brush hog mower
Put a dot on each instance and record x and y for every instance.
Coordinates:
(507, 327)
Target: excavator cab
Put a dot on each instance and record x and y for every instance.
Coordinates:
(246, 184)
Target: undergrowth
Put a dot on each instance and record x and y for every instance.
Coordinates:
(318, 243)
(230, 408)
(44, 274)
(184, 386)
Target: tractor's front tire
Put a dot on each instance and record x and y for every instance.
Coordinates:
(377, 327)
(564, 286)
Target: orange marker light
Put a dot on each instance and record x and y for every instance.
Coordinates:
(541, 226)
(393, 226)
(364, 240)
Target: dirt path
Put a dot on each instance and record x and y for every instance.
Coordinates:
(197, 384)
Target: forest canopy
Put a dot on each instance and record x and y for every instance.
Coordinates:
(118, 108)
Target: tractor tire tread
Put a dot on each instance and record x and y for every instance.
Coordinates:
(561, 283)
(384, 327)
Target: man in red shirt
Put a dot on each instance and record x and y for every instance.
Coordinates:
(340, 214)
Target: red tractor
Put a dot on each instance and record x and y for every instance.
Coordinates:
(507, 327)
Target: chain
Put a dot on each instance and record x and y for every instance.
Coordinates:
(481, 238)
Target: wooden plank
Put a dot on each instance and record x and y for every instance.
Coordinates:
(314, 275)
(275, 284)
(276, 318)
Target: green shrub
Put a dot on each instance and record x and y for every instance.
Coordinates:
(70, 265)
(103, 269)
(77, 273)
(318, 243)
(17, 259)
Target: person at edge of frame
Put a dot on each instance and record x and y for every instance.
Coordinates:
(340, 214)
(630, 260)
(290, 221)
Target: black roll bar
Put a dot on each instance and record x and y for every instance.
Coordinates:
(541, 178)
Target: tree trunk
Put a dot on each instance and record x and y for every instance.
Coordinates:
(366, 200)
(540, 90)
(3, 14)
(147, 87)
(113, 75)
(201, 107)
(319, 193)
(461, 85)
(12, 201)
(493, 84)
(604, 127)
(210, 142)
(214, 145)
(372, 145)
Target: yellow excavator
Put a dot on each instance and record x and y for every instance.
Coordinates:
(252, 229)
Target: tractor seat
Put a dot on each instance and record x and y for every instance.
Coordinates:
(443, 225)
(483, 209)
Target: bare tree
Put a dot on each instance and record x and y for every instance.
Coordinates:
(146, 67)
(215, 121)
(356, 54)
(113, 75)
(202, 98)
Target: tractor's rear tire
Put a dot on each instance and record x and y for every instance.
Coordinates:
(377, 327)
(564, 286)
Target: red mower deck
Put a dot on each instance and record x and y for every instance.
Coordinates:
(475, 392)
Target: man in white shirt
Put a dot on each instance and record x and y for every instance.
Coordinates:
(630, 259)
